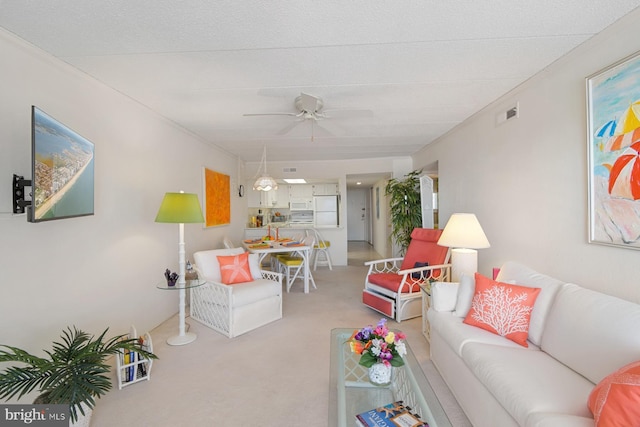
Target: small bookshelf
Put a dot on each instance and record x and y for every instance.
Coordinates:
(132, 367)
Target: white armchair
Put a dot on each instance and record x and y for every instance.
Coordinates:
(238, 308)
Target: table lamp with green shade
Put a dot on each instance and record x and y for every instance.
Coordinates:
(180, 208)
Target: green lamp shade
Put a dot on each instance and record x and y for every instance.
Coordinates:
(180, 208)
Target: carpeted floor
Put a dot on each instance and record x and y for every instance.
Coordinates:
(277, 375)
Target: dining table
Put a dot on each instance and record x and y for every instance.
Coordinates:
(279, 246)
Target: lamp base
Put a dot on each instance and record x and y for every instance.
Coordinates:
(182, 339)
(463, 261)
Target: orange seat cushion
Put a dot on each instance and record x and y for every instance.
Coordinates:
(389, 281)
(615, 401)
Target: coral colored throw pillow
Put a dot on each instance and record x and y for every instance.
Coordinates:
(502, 308)
(235, 268)
(615, 401)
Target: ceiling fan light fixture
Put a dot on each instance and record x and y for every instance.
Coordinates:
(265, 182)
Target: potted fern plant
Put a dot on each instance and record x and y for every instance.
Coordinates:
(74, 373)
(406, 211)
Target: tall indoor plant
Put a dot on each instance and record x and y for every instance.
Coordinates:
(74, 373)
(406, 211)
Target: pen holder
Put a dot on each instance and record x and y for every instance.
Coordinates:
(172, 278)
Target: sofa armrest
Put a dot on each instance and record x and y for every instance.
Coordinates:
(444, 296)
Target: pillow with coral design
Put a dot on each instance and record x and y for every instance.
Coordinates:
(235, 268)
(502, 309)
(615, 401)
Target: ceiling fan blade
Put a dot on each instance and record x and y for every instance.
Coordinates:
(271, 114)
(290, 127)
(352, 113)
(309, 103)
(321, 130)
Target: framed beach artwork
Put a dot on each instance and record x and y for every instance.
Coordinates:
(217, 198)
(613, 97)
(62, 170)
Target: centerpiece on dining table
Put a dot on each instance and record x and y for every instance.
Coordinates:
(380, 350)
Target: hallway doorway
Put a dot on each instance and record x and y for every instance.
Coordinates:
(359, 252)
(358, 217)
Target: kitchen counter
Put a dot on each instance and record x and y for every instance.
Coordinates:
(336, 235)
(284, 230)
(281, 225)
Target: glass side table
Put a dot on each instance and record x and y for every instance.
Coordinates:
(183, 337)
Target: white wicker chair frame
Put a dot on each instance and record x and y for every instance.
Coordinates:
(211, 306)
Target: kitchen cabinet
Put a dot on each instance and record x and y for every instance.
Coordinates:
(276, 198)
(268, 199)
(325, 189)
(301, 191)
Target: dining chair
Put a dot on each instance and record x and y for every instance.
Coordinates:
(292, 266)
(228, 244)
(321, 249)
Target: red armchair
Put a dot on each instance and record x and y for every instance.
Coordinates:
(392, 285)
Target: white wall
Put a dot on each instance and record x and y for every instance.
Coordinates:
(526, 180)
(100, 270)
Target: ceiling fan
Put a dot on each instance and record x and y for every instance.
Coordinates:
(310, 107)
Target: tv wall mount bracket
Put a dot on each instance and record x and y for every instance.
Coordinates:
(19, 203)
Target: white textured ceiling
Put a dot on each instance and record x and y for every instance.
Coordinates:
(420, 67)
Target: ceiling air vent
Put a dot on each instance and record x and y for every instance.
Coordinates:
(289, 170)
(512, 113)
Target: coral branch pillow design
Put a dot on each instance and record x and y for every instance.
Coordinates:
(235, 268)
(502, 308)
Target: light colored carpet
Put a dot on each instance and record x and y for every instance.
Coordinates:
(277, 375)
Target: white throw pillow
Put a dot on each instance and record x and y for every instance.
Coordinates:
(254, 266)
(465, 295)
(207, 264)
(513, 272)
(444, 295)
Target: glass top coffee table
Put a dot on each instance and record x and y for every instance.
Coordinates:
(351, 392)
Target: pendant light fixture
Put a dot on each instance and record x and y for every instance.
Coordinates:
(265, 182)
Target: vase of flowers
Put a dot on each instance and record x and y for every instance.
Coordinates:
(380, 350)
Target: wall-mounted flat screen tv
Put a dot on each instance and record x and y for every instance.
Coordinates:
(62, 170)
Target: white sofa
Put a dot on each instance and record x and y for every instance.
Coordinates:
(576, 338)
(239, 308)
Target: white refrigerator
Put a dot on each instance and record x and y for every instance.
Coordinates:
(325, 211)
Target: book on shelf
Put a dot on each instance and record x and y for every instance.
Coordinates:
(133, 366)
(394, 414)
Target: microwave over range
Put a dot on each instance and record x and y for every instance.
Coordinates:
(301, 204)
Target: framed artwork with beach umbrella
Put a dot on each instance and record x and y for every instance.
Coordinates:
(613, 97)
